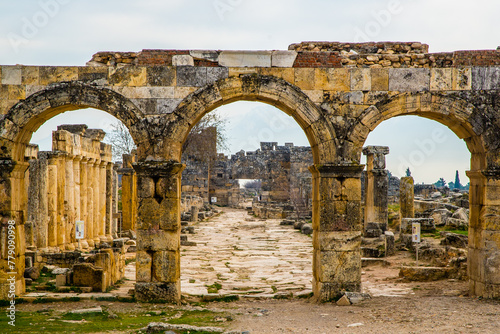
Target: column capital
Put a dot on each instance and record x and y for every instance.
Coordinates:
(158, 168)
(335, 170)
(77, 158)
(376, 150)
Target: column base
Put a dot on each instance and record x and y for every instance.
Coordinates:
(70, 247)
(109, 238)
(158, 292)
(330, 291)
(91, 243)
(97, 241)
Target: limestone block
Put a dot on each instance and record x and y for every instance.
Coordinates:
(245, 58)
(158, 240)
(11, 75)
(424, 274)
(61, 280)
(85, 274)
(409, 79)
(361, 79)
(164, 292)
(210, 55)
(183, 92)
(160, 76)
(167, 106)
(283, 58)
(462, 78)
(304, 78)
(52, 74)
(153, 215)
(380, 79)
(191, 76)
(128, 76)
(166, 266)
(485, 78)
(216, 73)
(30, 75)
(441, 79)
(426, 225)
(336, 79)
(337, 266)
(145, 187)
(182, 60)
(144, 262)
(91, 73)
(337, 241)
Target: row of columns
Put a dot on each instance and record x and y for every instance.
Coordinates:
(72, 183)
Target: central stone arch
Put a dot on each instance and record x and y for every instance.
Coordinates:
(158, 264)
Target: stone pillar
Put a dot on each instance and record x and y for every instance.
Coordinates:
(13, 205)
(69, 204)
(77, 200)
(129, 194)
(376, 187)
(89, 224)
(108, 202)
(406, 197)
(337, 229)
(102, 201)
(484, 234)
(84, 185)
(96, 201)
(61, 187)
(158, 231)
(52, 200)
(114, 209)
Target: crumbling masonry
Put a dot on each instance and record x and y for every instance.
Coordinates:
(337, 92)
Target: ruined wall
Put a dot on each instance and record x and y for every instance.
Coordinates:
(71, 183)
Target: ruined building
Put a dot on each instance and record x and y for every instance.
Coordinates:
(337, 92)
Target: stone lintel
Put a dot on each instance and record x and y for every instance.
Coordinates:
(337, 171)
(379, 172)
(125, 171)
(158, 168)
(376, 150)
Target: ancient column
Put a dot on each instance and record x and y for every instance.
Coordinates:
(52, 179)
(89, 224)
(61, 187)
(129, 193)
(77, 182)
(114, 204)
(102, 201)
(484, 233)
(96, 200)
(42, 215)
(69, 203)
(406, 197)
(376, 188)
(84, 201)
(337, 229)
(158, 231)
(109, 200)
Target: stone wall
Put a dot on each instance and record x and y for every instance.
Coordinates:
(71, 183)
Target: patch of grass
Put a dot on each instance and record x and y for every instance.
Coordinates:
(214, 288)
(198, 318)
(275, 289)
(128, 261)
(459, 232)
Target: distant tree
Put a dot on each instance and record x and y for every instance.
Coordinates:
(441, 183)
(254, 184)
(200, 140)
(408, 172)
(120, 140)
(457, 184)
(451, 185)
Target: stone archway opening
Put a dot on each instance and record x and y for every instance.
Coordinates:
(432, 154)
(248, 245)
(50, 219)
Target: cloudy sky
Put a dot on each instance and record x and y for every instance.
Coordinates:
(68, 32)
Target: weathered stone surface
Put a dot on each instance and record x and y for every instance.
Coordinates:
(455, 240)
(245, 58)
(283, 58)
(424, 274)
(151, 292)
(485, 78)
(85, 274)
(409, 79)
(426, 225)
(182, 60)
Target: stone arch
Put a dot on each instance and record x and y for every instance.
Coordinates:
(28, 115)
(452, 111)
(474, 122)
(266, 89)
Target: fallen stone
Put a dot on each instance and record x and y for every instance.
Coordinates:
(188, 243)
(425, 274)
(48, 268)
(61, 280)
(455, 240)
(343, 301)
(457, 224)
(390, 243)
(356, 297)
(373, 230)
(358, 324)
(61, 271)
(287, 222)
(131, 243)
(366, 262)
(33, 273)
(155, 327)
(28, 281)
(97, 309)
(306, 229)
(298, 225)
(462, 214)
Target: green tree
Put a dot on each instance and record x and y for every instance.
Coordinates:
(440, 183)
(408, 172)
(457, 184)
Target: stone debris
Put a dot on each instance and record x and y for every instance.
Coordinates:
(96, 309)
(160, 327)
